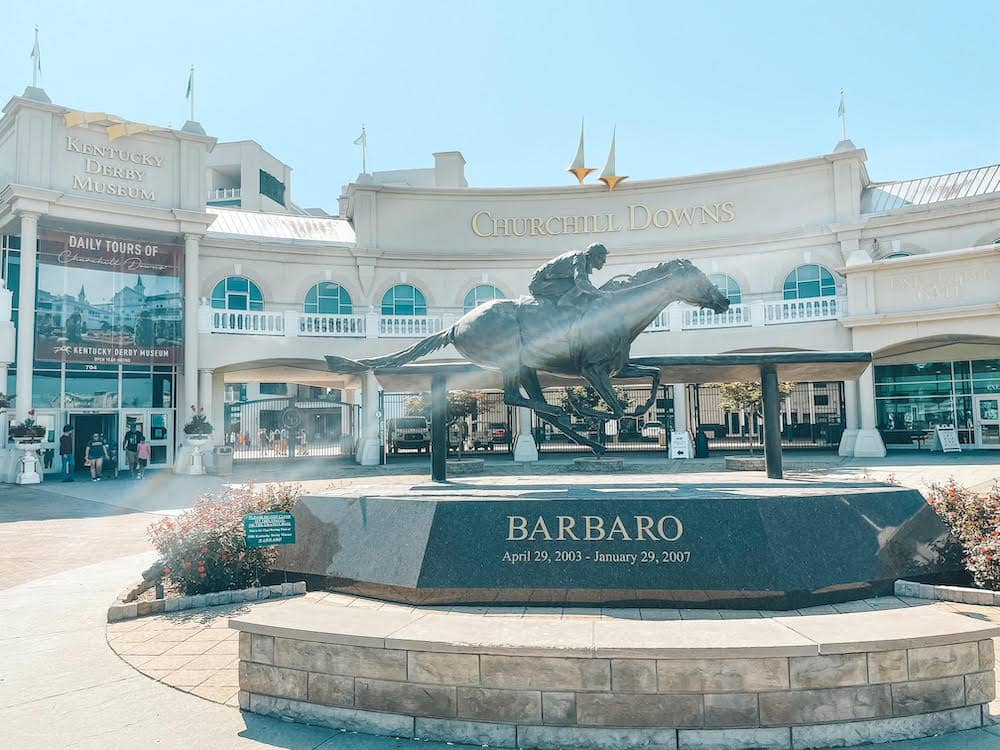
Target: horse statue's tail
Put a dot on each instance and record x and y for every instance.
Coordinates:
(432, 343)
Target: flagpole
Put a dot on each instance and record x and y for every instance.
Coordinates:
(36, 54)
(843, 117)
(364, 150)
(192, 94)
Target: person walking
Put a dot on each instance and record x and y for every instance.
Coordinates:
(144, 452)
(66, 453)
(97, 452)
(131, 445)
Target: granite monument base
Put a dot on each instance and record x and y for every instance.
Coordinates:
(691, 540)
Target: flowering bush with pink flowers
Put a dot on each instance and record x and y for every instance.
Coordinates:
(974, 519)
(204, 549)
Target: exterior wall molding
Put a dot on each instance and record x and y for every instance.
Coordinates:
(927, 259)
(976, 311)
(823, 162)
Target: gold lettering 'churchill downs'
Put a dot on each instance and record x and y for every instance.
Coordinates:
(594, 529)
(637, 217)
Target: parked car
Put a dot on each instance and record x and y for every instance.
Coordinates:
(407, 433)
(499, 432)
(652, 431)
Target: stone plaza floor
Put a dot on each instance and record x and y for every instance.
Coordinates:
(69, 680)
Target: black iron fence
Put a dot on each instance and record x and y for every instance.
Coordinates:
(812, 416)
(281, 428)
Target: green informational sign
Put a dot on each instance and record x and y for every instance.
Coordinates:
(269, 529)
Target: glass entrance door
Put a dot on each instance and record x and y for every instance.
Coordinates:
(157, 426)
(137, 418)
(987, 413)
(160, 437)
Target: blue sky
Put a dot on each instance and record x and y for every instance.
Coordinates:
(692, 87)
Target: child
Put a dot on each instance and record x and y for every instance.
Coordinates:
(144, 451)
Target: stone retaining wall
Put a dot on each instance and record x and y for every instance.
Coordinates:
(786, 702)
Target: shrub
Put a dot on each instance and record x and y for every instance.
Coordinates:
(198, 424)
(204, 549)
(974, 520)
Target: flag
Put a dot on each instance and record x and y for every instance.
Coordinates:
(36, 53)
(841, 110)
(190, 88)
(361, 140)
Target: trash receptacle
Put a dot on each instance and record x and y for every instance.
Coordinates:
(701, 445)
(222, 464)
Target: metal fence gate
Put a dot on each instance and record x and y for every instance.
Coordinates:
(812, 416)
(646, 432)
(283, 428)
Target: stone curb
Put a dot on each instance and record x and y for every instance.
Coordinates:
(959, 594)
(119, 611)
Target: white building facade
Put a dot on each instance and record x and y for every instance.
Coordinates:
(244, 288)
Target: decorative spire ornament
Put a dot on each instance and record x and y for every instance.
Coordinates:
(608, 176)
(577, 168)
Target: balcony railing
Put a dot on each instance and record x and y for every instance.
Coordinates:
(225, 194)
(802, 310)
(736, 315)
(408, 326)
(677, 317)
(242, 321)
(331, 325)
(660, 323)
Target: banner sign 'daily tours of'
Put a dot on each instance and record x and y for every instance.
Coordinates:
(109, 300)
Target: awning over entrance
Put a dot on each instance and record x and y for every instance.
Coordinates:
(714, 368)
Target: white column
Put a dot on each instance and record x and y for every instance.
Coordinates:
(525, 448)
(681, 445)
(7, 336)
(192, 282)
(368, 445)
(26, 314)
(869, 443)
(851, 418)
(205, 404)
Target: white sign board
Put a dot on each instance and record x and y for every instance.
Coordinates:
(946, 440)
(680, 445)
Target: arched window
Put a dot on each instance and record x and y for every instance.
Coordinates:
(404, 299)
(237, 293)
(810, 281)
(328, 298)
(480, 294)
(728, 286)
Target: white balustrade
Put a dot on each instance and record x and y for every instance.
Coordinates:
(225, 194)
(311, 324)
(408, 326)
(802, 310)
(661, 322)
(736, 315)
(248, 322)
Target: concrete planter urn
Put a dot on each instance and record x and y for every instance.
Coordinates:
(27, 468)
(197, 443)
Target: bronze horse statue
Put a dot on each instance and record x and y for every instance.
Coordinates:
(590, 340)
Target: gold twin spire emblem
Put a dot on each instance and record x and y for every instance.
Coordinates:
(607, 176)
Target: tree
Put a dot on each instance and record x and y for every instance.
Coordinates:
(461, 404)
(748, 397)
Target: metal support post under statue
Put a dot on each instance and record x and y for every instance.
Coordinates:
(439, 428)
(771, 400)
